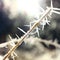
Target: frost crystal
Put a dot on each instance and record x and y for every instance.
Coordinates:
(36, 30)
(42, 22)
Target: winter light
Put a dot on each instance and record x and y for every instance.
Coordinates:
(28, 7)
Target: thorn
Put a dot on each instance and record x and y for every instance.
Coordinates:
(49, 15)
(10, 37)
(17, 36)
(51, 8)
(42, 9)
(51, 5)
(21, 30)
(56, 12)
(47, 21)
(27, 25)
(56, 9)
(37, 31)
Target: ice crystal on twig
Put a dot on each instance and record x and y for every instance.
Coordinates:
(53, 9)
(42, 20)
(45, 20)
(12, 43)
(21, 30)
(36, 30)
(17, 36)
(13, 55)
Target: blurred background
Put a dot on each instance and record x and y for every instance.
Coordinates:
(17, 13)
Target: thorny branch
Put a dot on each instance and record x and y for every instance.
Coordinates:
(22, 38)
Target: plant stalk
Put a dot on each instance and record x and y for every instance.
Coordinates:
(20, 40)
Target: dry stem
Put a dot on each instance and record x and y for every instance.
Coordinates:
(24, 36)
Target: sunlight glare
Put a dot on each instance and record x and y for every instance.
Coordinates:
(29, 7)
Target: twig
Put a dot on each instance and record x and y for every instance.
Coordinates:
(6, 43)
(24, 36)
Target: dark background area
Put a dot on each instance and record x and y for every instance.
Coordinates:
(9, 26)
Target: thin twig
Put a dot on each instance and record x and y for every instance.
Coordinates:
(7, 43)
(24, 36)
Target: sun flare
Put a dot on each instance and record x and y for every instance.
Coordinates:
(29, 7)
